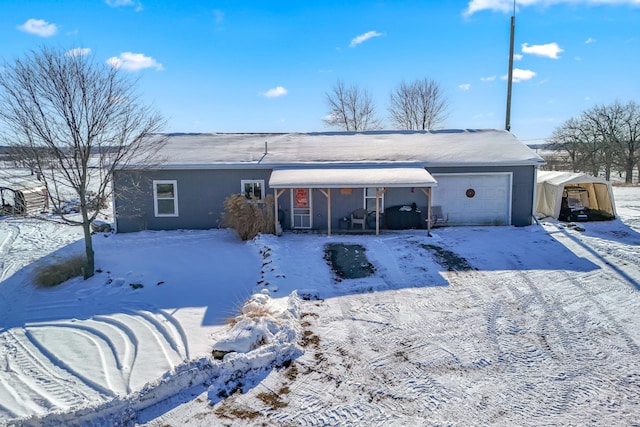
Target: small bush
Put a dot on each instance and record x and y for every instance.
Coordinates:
(54, 274)
(248, 216)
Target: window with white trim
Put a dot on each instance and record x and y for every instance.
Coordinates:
(370, 200)
(252, 188)
(165, 197)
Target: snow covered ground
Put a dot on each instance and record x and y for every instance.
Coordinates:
(543, 330)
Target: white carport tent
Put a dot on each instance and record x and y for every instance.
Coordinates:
(325, 179)
(551, 184)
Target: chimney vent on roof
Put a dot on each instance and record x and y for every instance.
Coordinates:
(265, 147)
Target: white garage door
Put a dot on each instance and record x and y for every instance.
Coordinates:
(474, 199)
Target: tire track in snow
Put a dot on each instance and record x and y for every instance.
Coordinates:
(625, 253)
(102, 344)
(517, 349)
(388, 379)
(554, 341)
(618, 329)
(149, 333)
(553, 337)
(165, 331)
(55, 361)
(182, 343)
(52, 385)
(131, 346)
(7, 264)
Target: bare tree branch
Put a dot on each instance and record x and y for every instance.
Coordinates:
(351, 109)
(602, 138)
(420, 105)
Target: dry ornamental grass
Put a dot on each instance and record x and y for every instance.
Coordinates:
(54, 274)
(249, 217)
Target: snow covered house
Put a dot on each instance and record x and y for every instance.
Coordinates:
(474, 177)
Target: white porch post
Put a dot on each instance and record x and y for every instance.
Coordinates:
(327, 194)
(427, 192)
(379, 192)
(276, 195)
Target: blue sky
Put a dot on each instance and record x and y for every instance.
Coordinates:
(264, 66)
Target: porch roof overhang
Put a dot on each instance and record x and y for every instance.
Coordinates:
(351, 177)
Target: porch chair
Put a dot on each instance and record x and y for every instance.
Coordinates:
(359, 216)
(437, 217)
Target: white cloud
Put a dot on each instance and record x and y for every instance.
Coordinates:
(487, 79)
(363, 38)
(517, 56)
(506, 6)
(134, 62)
(274, 92)
(520, 75)
(78, 51)
(38, 27)
(549, 50)
(589, 40)
(464, 86)
(496, 5)
(124, 3)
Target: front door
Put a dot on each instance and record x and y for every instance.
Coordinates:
(302, 212)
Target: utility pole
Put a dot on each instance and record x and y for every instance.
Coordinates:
(507, 124)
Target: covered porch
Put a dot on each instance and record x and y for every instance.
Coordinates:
(327, 179)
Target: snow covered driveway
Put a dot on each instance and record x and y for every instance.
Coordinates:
(520, 341)
(543, 331)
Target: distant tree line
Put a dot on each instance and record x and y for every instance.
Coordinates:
(604, 138)
(417, 105)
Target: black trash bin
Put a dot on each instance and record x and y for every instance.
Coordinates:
(403, 217)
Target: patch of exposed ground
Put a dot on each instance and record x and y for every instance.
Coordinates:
(348, 261)
(448, 259)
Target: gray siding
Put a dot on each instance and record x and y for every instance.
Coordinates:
(201, 194)
(522, 190)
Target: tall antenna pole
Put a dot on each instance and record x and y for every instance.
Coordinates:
(507, 123)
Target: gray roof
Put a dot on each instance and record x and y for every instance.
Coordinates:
(356, 149)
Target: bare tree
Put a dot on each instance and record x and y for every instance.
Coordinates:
(351, 109)
(623, 127)
(74, 121)
(602, 138)
(419, 105)
(579, 142)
